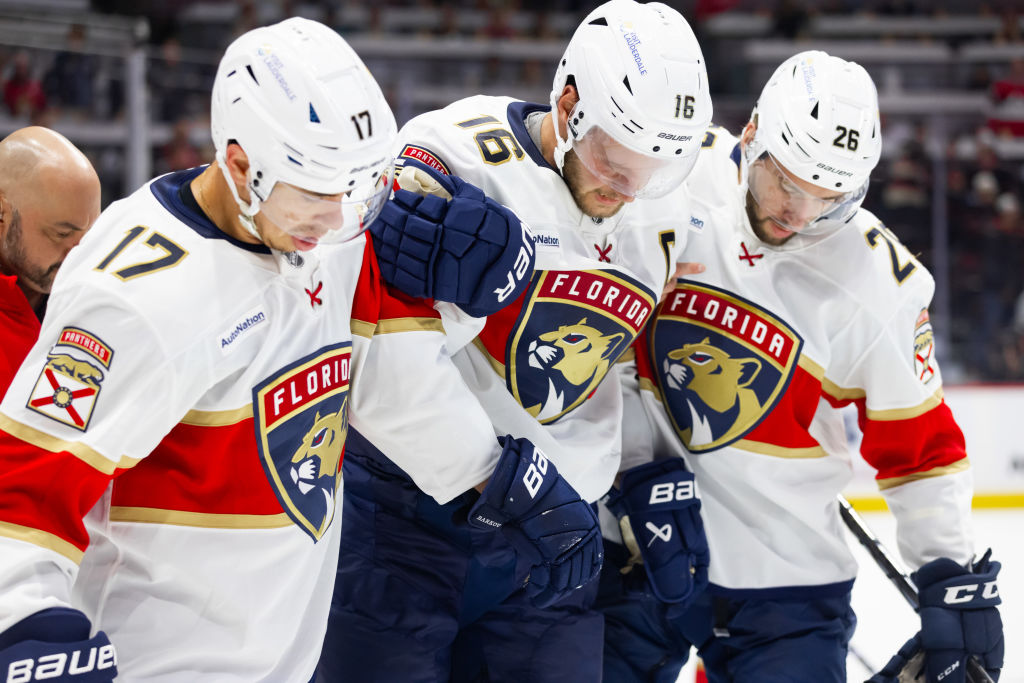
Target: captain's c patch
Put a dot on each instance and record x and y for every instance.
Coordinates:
(70, 382)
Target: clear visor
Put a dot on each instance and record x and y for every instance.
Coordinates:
(628, 172)
(327, 219)
(791, 206)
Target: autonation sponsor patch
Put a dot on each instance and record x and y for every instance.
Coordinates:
(242, 326)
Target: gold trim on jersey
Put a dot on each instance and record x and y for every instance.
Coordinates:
(393, 325)
(893, 414)
(361, 328)
(651, 386)
(983, 500)
(841, 393)
(628, 356)
(198, 519)
(961, 465)
(43, 539)
(778, 451)
(78, 449)
(496, 365)
(217, 418)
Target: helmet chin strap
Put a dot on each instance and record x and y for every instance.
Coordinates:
(246, 209)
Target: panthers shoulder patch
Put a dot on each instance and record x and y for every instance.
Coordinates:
(924, 347)
(69, 384)
(424, 156)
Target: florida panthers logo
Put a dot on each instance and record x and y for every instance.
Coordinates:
(301, 417)
(315, 463)
(572, 358)
(723, 363)
(571, 329)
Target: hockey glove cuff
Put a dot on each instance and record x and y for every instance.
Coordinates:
(454, 244)
(659, 512)
(543, 518)
(54, 645)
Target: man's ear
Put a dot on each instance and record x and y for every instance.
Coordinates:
(237, 162)
(566, 101)
(747, 136)
(5, 213)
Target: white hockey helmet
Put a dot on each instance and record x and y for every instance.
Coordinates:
(314, 125)
(643, 97)
(817, 120)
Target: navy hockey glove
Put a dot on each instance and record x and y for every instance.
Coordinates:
(959, 619)
(543, 518)
(467, 250)
(659, 512)
(54, 644)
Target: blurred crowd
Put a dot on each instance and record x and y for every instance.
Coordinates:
(974, 162)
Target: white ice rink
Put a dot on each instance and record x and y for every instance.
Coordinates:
(886, 621)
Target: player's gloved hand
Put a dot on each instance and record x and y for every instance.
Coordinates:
(441, 238)
(54, 645)
(659, 514)
(959, 619)
(543, 518)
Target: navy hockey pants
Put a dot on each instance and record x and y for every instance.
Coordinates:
(422, 596)
(801, 640)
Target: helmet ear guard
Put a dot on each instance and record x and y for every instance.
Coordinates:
(641, 79)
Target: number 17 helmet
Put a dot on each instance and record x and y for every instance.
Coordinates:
(643, 97)
(313, 123)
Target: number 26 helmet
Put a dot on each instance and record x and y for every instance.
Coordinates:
(817, 119)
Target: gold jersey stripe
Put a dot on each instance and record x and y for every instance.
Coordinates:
(198, 519)
(78, 449)
(778, 451)
(961, 465)
(628, 356)
(649, 385)
(496, 365)
(43, 539)
(980, 500)
(906, 413)
(392, 325)
(217, 418)
(361, 328)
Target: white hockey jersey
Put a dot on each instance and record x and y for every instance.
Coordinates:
(537, 365)
(189, 397)
(742, 371)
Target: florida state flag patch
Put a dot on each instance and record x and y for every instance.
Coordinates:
(70, 382)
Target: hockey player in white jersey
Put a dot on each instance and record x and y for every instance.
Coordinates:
(424, 593)
(808, 304)
(170, 449)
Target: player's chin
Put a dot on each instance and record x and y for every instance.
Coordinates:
(598, 205)
(771, 233)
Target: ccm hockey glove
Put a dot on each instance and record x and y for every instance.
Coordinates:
(441, 238)
(959, 619)
(659, 514)
(543, 518)
(54, 645)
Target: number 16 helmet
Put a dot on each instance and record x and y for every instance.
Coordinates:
(314, 125)
(817, 118)
(643, 97)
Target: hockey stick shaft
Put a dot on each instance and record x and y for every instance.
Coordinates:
(975, 672)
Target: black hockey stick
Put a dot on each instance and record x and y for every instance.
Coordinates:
(975, 672)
